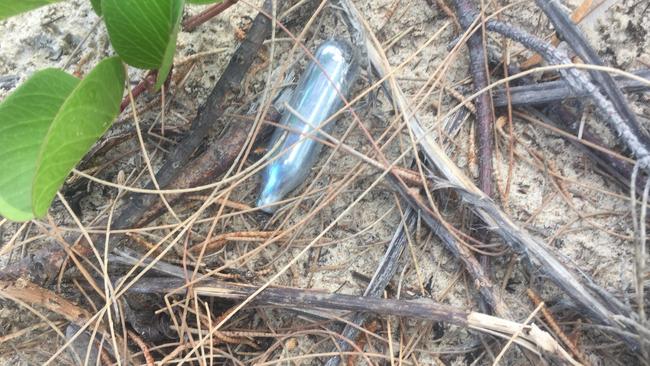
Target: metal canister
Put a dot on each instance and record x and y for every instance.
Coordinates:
(317, 97)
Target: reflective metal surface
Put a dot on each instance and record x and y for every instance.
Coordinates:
(314, 101)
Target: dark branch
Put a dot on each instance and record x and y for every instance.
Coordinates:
(567, 30)
(556, 91)
(385, 271)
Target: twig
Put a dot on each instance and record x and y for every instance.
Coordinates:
(30, 293)
(210, 111)
(514, 336)
(550, 320)
(577, 16)
(209, 13)
(214, 161)
(484, 112)
(495, 219)
(558, 90)
(218, 241)
(531, 337)
(385, 271)
(580, 83)
(574, 37)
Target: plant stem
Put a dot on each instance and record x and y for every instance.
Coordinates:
(209, 13)
(580, 83)
(484, 111)
(568, 31)
(385, 271)
(557, 91)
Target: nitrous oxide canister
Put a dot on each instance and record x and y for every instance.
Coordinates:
(317, 97)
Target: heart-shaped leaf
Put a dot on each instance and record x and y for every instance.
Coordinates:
(46, 126)
(10, 8)
(143, 32)
(82, 119)
(168, 57)
(25, 117)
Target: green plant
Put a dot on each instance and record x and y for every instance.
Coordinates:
(50, 122)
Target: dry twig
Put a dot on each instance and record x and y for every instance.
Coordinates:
(211, 12)
(377, 285)
(528, 336)
(593, 302)
(550, 320)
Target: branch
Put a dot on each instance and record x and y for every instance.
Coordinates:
(567, 30)
(385, 271)
(580, 83)
(495, 219)
(558, 90)
(529, 336)
(227, 86)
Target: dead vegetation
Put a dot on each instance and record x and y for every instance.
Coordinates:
(471, 207)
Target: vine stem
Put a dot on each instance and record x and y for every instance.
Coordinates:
(580, 83)
(211, 12)
(484, 115)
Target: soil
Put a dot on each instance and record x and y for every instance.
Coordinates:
(584, 216)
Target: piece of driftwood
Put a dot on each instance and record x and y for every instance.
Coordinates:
(556, 91)
(542, 258)
(528, 336)
(377, 285)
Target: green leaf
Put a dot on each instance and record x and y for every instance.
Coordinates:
(97, 6)
(25, 117)
(168, 58)
(9, 8)
(143, 32)
(82, 119)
